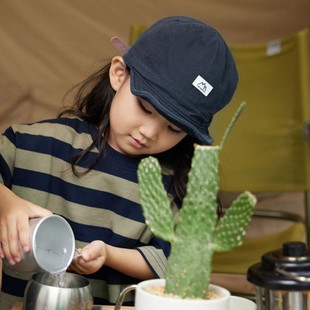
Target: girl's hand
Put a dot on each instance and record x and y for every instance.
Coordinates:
(97, 253)
(14, 224)
(94, 256)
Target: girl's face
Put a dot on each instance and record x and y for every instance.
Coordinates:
(136, 128)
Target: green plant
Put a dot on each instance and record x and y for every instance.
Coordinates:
(198, 233)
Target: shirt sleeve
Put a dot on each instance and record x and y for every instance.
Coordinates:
(156, 255)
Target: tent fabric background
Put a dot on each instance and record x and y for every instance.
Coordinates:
(48, 46)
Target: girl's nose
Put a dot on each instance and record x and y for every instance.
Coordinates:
(151, 130)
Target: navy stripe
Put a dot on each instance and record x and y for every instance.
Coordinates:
(87, 233)
(13, 286)
(112, 277)
(5, 173)
(9, 133)
(78, 194)
(46, 145)
(125, 167)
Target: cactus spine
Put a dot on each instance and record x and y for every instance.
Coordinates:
(198, 232)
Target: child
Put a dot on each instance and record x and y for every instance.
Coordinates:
(158, 99)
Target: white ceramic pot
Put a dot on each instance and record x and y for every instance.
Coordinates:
(240, 303)
(147, 301)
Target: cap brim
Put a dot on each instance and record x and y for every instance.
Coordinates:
(141, 88)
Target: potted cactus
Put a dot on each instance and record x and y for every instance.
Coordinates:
(196, 235)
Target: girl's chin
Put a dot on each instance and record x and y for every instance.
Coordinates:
(128, 151)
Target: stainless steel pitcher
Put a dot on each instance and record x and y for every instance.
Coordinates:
(43, 292)
(282, 278)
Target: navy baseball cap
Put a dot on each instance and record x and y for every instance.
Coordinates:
(184, 68)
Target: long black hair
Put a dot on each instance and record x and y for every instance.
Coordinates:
(92, 103)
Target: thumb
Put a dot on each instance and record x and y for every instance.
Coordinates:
(41, 212)
(94, 250)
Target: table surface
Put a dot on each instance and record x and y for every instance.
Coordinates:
(19, 306)
(111, 308)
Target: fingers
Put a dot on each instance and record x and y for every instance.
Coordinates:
(41, 212)
(92, 259)
(79, 265)
(14, 228)
(23, 233)
(10, 242)
(1, 252)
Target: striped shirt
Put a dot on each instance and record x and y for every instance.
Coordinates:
(101, 205)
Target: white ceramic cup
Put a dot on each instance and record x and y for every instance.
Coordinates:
(52, 246)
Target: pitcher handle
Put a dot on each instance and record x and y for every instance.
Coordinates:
(123, 294)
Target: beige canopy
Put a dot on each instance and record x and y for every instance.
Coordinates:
(48, 46)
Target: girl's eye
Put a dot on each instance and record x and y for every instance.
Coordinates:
(174, 130)
(144, 109)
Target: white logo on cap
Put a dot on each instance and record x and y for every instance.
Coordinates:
(202, 85)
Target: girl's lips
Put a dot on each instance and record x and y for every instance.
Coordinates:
(136, 143)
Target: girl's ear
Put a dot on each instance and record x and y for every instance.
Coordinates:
(118, 72)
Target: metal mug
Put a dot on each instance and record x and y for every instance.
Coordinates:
(43, 291)
(52, 246)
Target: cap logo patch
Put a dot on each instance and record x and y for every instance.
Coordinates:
(202, 85)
